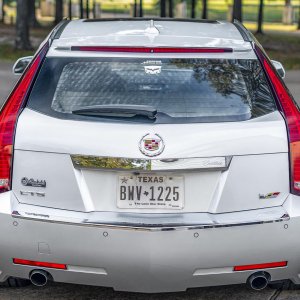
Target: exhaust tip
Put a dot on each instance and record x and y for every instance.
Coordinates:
(259, 280)
(39, 277)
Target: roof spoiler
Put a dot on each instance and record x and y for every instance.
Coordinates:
(247, 36)
(151, 49)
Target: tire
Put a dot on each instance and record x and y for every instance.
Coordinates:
(16, 282)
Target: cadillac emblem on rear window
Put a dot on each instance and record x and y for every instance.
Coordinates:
(151, 144)
(153, 70)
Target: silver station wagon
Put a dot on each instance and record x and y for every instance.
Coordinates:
(150, 155)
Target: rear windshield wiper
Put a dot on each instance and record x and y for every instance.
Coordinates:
(118, 110)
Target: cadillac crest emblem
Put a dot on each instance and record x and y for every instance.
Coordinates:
(151, 144)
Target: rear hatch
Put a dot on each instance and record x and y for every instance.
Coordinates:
(159, 135)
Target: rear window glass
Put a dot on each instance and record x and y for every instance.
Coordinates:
(180, 90)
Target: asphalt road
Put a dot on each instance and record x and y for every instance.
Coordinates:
(7, 80)
(69, 291)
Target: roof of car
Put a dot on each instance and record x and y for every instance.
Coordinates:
(152, 32)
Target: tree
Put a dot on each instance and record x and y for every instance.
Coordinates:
(22, 26)
(95, 10)
(237, 10)
(163, 8)
(58, 11)
(81, 9)
(299, 17)
(32, 14)
(260, 17)
(2, 11)
(193, 8)
(87, 6)
(288, 13)
(70, 9)
(135, 9)
(141, 8)
(204, 9)
(171, 8)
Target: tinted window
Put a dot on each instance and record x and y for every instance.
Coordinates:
(182, 90)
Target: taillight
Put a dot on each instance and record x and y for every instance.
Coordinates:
(25, 262)
(291, 115)
(151, 49)
(280, 264)
(9, 115)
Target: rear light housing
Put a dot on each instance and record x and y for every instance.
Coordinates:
(9, 115)
(280, 264)
(150, 49)
(25, 262)
(291, 114)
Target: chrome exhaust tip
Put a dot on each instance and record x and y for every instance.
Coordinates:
(259, 280)
(39, 277)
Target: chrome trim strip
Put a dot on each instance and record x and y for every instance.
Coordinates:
(208, 223)
(120, 164)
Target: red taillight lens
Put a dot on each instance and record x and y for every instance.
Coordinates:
(271, 265)
(19, 261)
(292, 117)
(9, 115)
(150, 50)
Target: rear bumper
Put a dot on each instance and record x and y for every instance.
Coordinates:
(133, 259)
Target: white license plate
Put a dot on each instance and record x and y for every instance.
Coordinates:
(150, 191)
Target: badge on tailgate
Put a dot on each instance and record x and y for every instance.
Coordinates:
(32, 182)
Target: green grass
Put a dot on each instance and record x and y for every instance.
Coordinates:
(272, 13)
(217, 9)
(8, 53)
(289, 62)
(282, 47)
(272, 27)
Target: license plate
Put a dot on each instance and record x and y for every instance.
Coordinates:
(150, 191)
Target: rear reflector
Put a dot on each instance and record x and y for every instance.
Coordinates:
(261, 266)
(8, 118)
(150, 50)
(25, 262)
(292, 117)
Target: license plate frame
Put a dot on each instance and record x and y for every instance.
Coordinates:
(148, 191)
